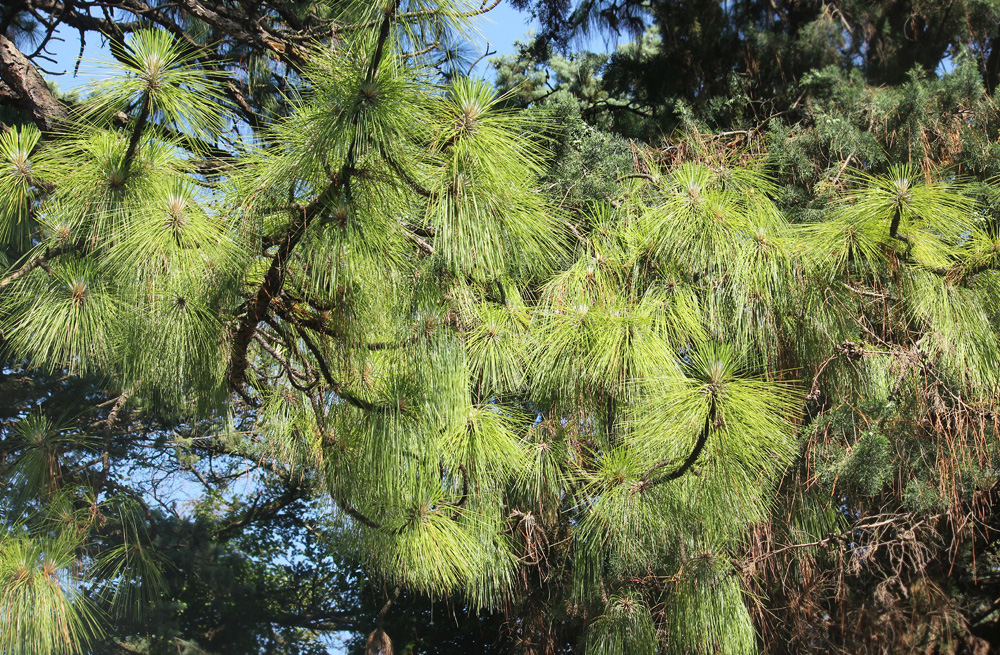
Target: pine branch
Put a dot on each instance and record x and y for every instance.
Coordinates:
(647, 481)
(406, 177)
(274, 279)
(251, 32)
(137, 130)
(426, 247)
(351, 511)
(286, 365)
(848, 349)
(38, 261)
(258, 511)
(338, 388)
(319, 621)
(317, 325)
(894, 225)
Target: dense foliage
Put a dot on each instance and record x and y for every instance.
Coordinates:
(304, 332)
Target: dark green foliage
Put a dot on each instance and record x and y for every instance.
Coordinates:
(587, 164)
(866, 469)
(738, 63)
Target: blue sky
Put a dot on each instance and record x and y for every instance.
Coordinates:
(501, 27)
(504, 25)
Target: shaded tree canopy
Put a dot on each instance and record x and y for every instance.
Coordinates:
(691, 348)
(737, 64)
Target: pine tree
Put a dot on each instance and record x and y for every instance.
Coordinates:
(610, 420)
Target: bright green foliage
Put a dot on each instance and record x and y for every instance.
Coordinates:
(41, 605)
(16, 147)
(395, 375)
(158, 74)
(626, 627)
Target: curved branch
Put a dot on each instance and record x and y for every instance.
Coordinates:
(648, 482)
(282, 309)
(338, 389)
(378, 642)
(352, 511)
(294, 375)
(258, 511)
(404, 175)
(274, 280)
(38, 261)
(426, 247)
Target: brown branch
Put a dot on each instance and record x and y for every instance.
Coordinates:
(814, 389)
(215, 15)
(866, 292)
(319, 621)
(351, 511)
(137, 130)
(378, 642)
(426, 247)
(848, 349)
(390, 345)
(410, 182)
(380, 619)
(70, 16)
(338, 388)
(119, 404)
(647, 480)
(320, 360)
(966, 272)
(257, 307)
(286, 365)
(274, 279)
(282, 309)
(257, 512)
(38, 261)
(383, 35)
(840, 536)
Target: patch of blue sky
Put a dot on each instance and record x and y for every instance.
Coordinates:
(72, 68)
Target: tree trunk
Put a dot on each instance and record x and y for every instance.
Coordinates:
(23, 86)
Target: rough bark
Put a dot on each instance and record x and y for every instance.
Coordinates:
(24, 86)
